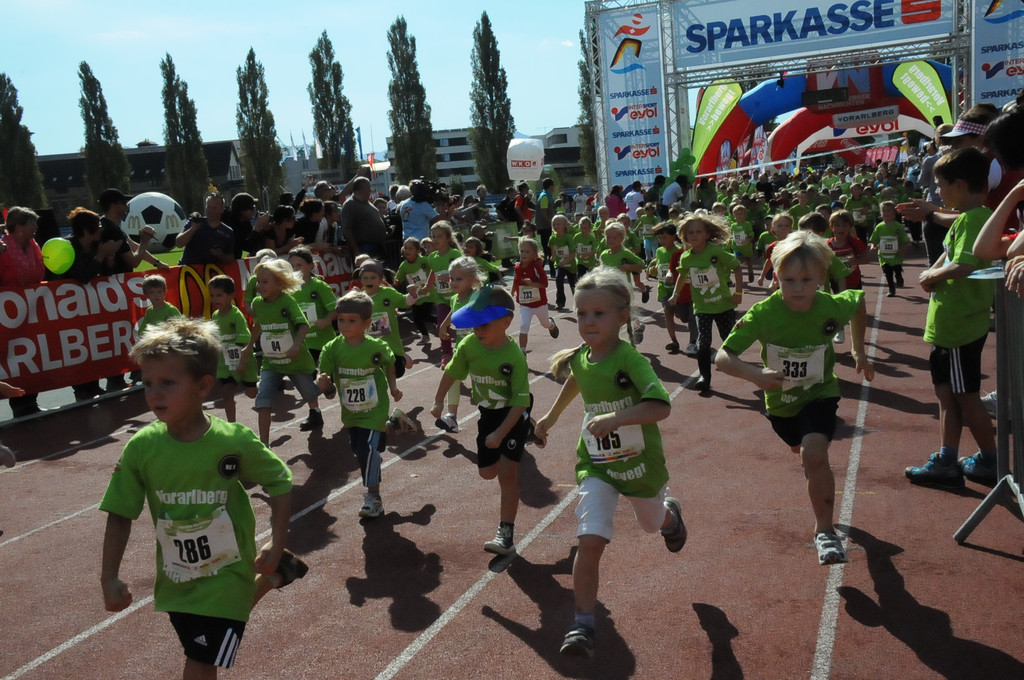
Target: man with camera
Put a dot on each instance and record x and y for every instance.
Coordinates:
(417, 212)
(207, 240)
(361, 222)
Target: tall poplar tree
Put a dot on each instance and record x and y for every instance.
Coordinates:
(332, 111)
(588, 151)
(21, 183)
(492, 125)
(185, 166)
(261, 156)
(412, 136)
(106, 165)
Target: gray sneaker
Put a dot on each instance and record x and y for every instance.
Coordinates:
(935, 472)
(830, 548)
(990, 404)
(373, 506)
(579, 641)
(502, 543)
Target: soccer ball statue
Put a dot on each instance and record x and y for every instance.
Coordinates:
(156, 210)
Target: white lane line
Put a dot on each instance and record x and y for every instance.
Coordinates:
(822, 665)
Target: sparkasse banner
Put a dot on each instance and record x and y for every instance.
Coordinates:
(634, 106)
(997, 46)
(733, 31)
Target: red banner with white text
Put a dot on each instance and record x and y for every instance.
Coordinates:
(62, 333)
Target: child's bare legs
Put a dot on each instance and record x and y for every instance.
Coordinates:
(263, 424)
(197, 670)
(586, 573)
(523, 338)
(507, 472)
(958, 410)
(821, 484)
(229, 402)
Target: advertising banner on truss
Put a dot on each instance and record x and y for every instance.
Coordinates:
(710, 34)
(997, 48)
(634, 114)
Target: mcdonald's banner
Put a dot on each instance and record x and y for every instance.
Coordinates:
(62, 333)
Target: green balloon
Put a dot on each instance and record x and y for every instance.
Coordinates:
(58, 255)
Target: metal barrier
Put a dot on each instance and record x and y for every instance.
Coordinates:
(1010, 414)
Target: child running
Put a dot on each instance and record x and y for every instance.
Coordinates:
(154, 287)
(362, 369)
(661, 268)
(233, 332)
(562, 245)
(706, 267)
(190, 469)
(530, 287)
(386, 303)
(317, 302)
(795, 327)
(629, 265)
(619, 452)
(446, 251)
(501, 390)
(465, 276)
(412, 276)
(280, 328)
(890, 241)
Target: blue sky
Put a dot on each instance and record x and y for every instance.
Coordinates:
(123, 42)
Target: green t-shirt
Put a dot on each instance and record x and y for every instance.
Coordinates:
(439, 265)
(455, 331)
(862, 208)
(663, 260)
(798, 211)
(958, 311)
(316, 300)
(499, 377)
(358, 371)
(766, 238)
(153, 317)
(201, 511)
(890, 237)
(279, 321)
(742, 238)
(648, 223)
(799, 344)
(631, 459)
(708, 273)
(486, 266)
(616, 260)
(586, 250)
(233, 330)
(384, 324)
(414, 274)
(562, 248)
(250, 290)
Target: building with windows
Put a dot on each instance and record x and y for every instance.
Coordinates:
(455, 163)
(64, 174)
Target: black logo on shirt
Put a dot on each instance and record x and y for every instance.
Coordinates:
(506, 369)
(377, 358)
(228, 466)
(623, 381)
(387, 303)
(830, 328)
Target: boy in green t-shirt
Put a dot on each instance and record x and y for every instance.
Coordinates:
(795, 327)
(742, 233)
(958, 324)
(233, 331)
(190, 469)
(362, 368)
(890, 241)
(155, 289)
(499, 375)
(562, 245)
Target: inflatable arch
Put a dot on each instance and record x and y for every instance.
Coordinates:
(870, 87)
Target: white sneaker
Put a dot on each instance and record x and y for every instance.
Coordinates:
(840, 337)
(990, 404)
(373, 506)
(448, 423)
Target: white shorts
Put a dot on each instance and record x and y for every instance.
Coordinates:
(595, 509)
(526, 315)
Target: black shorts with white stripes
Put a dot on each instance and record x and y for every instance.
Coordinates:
(208, 639)
(958, 367)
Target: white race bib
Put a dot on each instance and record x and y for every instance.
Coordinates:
(562, 252)
(664, 270)
(358, 394)
(232, 353)
(625, 442)
(444, 282)
(802, 367)
(380, 325)
(416, 278)
(309, 310)
(276, 345)
(584, 249)
(527, 294)
(858, 215)
(739, 237)
(194, 548)
(889, 245)
(705, 279)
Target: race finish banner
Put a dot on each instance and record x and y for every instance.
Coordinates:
(634, 113)
(734, 31)
(997, 46)
(62, 333)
